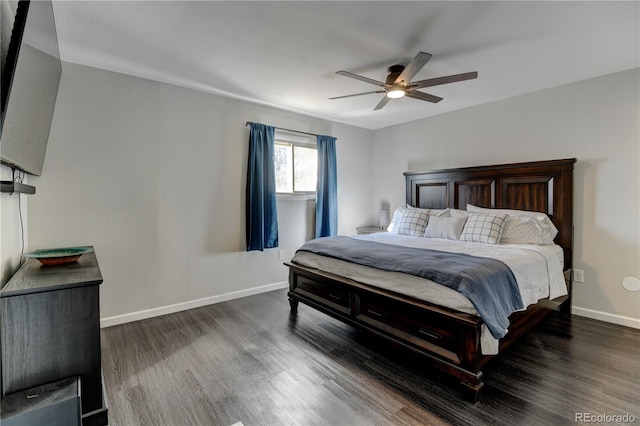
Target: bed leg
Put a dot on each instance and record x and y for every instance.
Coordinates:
(472, 391)
(294, 305)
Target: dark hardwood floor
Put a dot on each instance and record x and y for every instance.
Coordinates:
(248, 360)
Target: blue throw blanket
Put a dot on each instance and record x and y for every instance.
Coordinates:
(488, 283)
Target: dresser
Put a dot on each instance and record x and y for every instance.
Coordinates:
(50, 324)
(52, 404)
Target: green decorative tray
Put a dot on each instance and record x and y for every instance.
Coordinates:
(59, 256)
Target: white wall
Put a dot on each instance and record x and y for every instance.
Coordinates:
(11, 228)
(153, 176)
(596, 121)
(354, 178)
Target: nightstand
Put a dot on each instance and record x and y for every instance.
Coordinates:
(366, 230)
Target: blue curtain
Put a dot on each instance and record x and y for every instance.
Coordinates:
(262, 217)
(327, 189)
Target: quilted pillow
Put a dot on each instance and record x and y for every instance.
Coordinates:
(548, 228)
(484, 228)
(444, 227)
(522, 230)
(411, 222)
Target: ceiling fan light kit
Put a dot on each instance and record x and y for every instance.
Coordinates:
(395, 93)
(398, 82)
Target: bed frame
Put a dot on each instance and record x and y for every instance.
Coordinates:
(449, 339)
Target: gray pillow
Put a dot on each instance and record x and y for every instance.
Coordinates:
(445, 227)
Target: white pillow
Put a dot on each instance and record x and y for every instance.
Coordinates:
(522, 230)
(444, 227)
(459, 213)
(394, 219)
(549, 229)
(439, 212)
(409, 222)
(484, 228)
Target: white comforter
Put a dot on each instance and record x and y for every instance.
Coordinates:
(537, 269)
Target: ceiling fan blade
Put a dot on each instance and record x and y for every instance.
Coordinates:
(443, 80)
(424, 96)
(357, 94)
(361, 78)
(412, 69)
(382, 103)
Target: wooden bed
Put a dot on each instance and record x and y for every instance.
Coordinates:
(448, 339)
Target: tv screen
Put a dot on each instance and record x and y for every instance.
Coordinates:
(30, 76)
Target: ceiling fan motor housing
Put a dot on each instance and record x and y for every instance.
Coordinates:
(394, 72)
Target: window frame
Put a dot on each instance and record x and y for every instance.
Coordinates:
(293, 139)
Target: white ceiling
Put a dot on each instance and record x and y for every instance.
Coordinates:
(285, 54)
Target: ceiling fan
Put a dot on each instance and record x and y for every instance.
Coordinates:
(399, 84)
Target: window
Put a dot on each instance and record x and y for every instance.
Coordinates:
(296, 164)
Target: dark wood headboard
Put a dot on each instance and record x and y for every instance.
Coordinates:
(542, 186)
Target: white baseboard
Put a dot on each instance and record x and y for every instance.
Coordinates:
(183, 306)
(606, 317)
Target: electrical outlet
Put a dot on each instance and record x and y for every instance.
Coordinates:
(578, 276)
(280, 254)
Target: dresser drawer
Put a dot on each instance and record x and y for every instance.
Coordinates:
(333, 296)
(422, 329)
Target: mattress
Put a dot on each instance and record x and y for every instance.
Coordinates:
(537, 269)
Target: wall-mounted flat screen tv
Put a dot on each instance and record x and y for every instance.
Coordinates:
(30, 76)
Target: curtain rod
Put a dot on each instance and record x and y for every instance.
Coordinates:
(282, 128)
